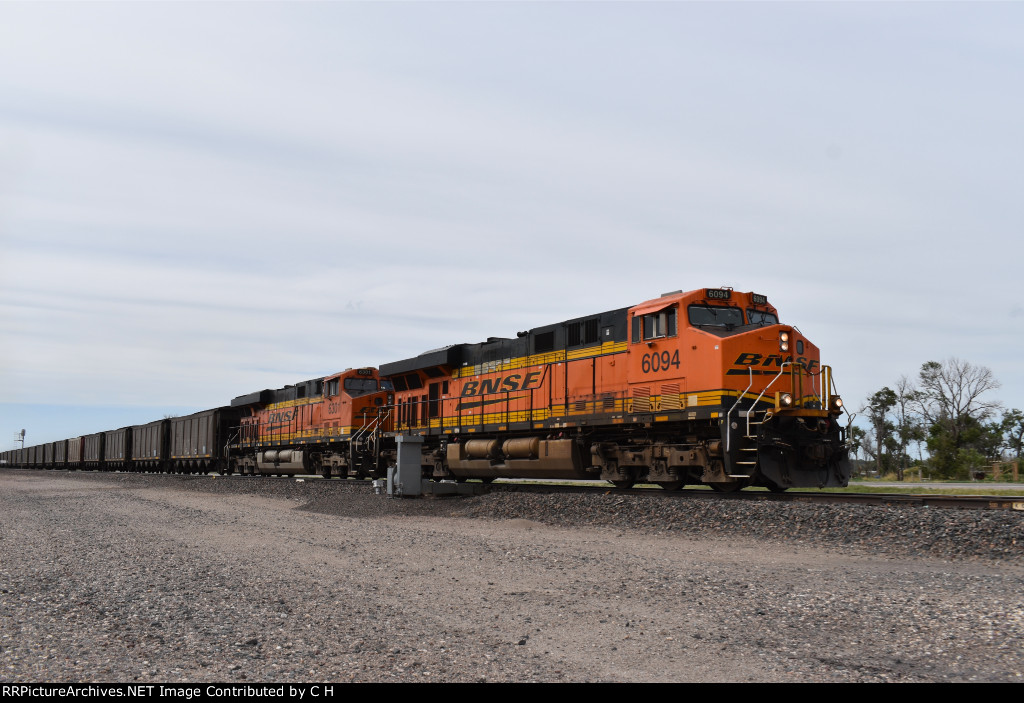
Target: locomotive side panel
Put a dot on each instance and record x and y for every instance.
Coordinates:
(519, 394)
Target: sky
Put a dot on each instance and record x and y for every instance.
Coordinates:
(200, 200)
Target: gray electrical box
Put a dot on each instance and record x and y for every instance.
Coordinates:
(406, 477)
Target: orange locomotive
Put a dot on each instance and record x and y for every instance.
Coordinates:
(331, 426)
(704, 387)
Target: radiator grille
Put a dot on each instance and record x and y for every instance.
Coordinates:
(642, 400)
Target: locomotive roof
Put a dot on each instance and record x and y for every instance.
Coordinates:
(537, 340)
(302, 389)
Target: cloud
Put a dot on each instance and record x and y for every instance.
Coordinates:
(200, 200)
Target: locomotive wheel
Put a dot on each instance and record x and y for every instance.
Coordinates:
(726, 486)
(628, 478)
(776, 488)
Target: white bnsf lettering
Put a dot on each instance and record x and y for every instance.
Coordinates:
(501, 384)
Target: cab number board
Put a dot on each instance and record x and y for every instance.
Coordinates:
(652, 363)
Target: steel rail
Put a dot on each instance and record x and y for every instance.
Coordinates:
(907, 500)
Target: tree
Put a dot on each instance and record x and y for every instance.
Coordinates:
(877, 410)
(1012, 428)
(951, 394)
(908, 425)
(951, 403)
(858, 440)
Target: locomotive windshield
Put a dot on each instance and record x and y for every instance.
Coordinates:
(360, 386)
(715, 316)
(762, 318)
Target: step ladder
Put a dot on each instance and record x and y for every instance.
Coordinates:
(748, 446)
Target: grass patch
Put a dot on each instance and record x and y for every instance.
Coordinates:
(978, 489)
(854, 487)
(972, 489)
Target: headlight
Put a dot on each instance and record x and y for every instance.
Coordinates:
(784, 341)
(785, 400)
(836, 405)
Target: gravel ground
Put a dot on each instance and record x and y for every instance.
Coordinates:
(119, 577)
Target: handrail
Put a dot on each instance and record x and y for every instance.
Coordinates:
(365, 428)
(827, 382)
(728, 434)
(757, 400)
(355, 435)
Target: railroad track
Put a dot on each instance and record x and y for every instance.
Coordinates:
(972, 502)
(920, 500)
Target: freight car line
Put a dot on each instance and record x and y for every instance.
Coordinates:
(704, 387)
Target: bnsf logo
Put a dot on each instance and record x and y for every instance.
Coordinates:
(285, 416)
(501, 384)
(752, 359)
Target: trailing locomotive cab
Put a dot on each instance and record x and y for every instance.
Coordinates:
(704, 387)
(331, 426)
(758, 406)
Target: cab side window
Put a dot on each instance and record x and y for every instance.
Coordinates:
(654, 326)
